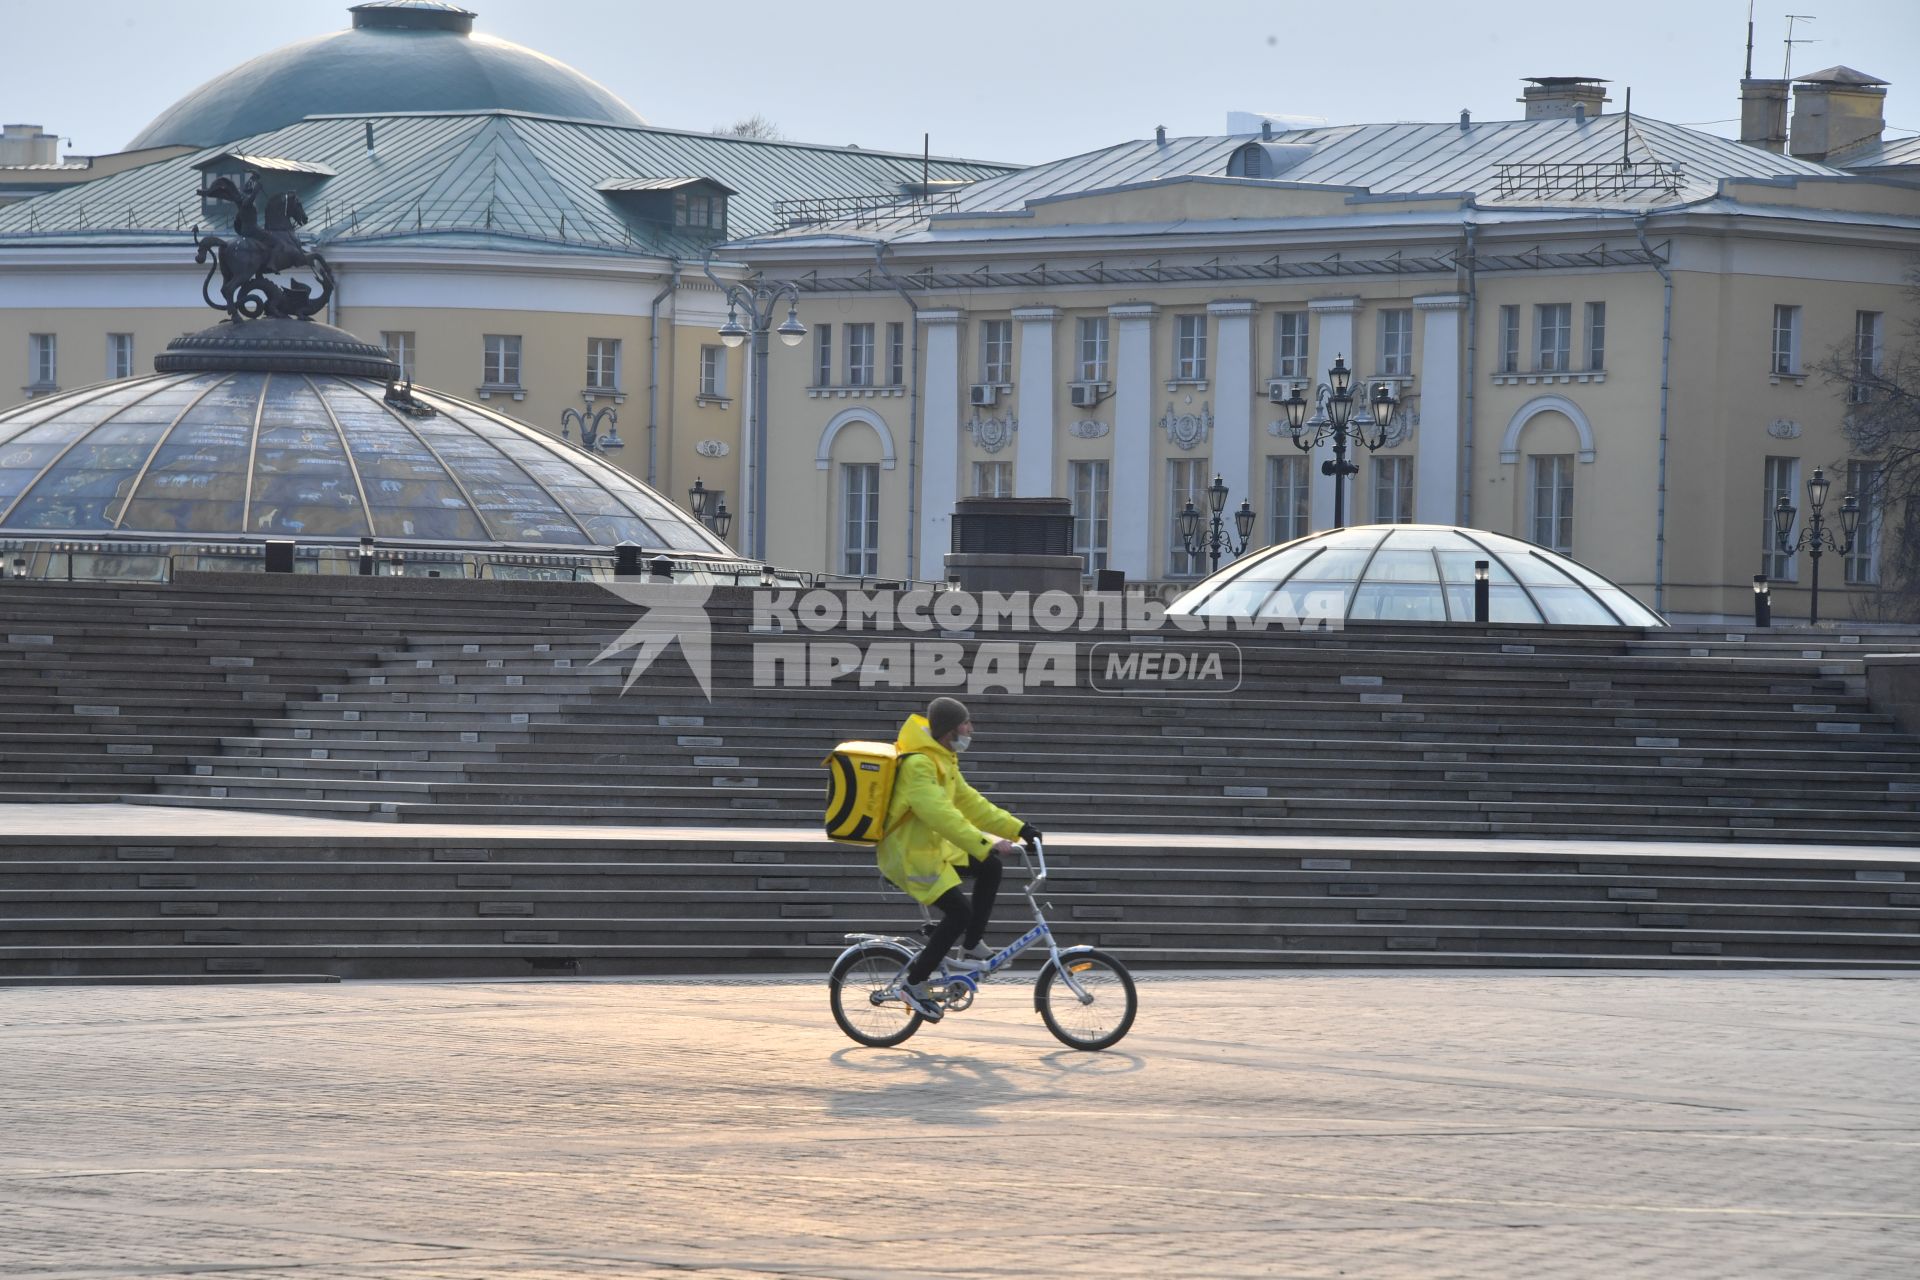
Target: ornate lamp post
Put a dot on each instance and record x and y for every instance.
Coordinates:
(757, 301)
(1216, 539)
(589, 420)
(698, 499)
(1336, 422)
(1817, 538)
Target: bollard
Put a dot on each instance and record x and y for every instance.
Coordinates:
(1762, 601)
(1482, 591)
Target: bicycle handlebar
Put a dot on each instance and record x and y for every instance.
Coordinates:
(1026, 857)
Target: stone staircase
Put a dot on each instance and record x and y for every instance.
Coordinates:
(1412, 762)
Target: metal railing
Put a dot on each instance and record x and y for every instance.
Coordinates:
(862, 209)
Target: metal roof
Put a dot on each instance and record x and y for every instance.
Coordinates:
(508, 178)
(658, 184)
(1888, 155)
(269, 164)
(1545, 164)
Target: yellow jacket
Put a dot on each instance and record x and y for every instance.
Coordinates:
(935, 821)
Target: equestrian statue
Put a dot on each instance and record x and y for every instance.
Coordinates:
(255, 252)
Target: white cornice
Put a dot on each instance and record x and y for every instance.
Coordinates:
(1441, 302)
(1334, 306)
(1232, 307)
(1036, 315)
(942, 317)
(1133, 311)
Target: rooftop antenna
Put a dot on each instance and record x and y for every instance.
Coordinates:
(1749, 74)
(1786, 69)
(926, 165)
(1626, 132)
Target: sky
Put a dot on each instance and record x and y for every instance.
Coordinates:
(1012, 80)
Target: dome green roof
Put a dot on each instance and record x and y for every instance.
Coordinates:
(1413, 573)
(399, 56)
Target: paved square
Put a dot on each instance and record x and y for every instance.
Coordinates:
(1323, 1124)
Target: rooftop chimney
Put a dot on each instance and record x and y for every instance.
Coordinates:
(1555, 97)
(1834, 110)
(28, 144)
(1763, 114)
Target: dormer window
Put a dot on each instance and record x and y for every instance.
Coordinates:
(694, 205)
(698, 209)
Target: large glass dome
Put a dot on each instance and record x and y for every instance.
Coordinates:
(399, 55)
(313, 456)
(1413, 573)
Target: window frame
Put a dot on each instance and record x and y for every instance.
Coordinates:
(1510, 339)
(1555, 320)
(1596, 347)
(403, 349)
(713, 370)
(115, 342)
(1190, 347)
(1289, 509)
(1862, 564)
(1090, 482)
(1784, 361)
(1396, 342)
(1193, 489)
(860, 353)
(896, 353)
(1869, 351)
(603, 352)
(996, 353)
(1002, 472)
(43, 360)
(1092, 338)
(1559, 511)
(506, 362)
(1295, 363)
(1397, 468)
(822, 354)
(1779, 566)
(860, 519)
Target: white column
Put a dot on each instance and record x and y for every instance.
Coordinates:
(1334, 318)
(1131, 528)
(1233, 401)
(1436, 467)
(940, 437)
(1033, 442)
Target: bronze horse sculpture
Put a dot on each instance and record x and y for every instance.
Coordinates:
(245, 261)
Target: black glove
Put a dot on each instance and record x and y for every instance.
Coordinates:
(1028, 833)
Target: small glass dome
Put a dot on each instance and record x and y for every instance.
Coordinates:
(316, 456)
(1413, 573)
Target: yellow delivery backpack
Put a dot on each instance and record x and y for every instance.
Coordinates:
(859, 789)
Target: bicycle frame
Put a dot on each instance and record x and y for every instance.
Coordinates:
(969, 977)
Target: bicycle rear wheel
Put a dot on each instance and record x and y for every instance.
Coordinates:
(854, 986)
(1105, 1017)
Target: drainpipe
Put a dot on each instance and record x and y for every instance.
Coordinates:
(653, 375)
(1666, 355)
(1473, 336)
(913, 411)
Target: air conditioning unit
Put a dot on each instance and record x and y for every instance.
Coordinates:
(1086, 395)
(1279, 389)
(985, 393)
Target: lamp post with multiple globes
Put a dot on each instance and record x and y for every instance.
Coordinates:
(1337, 423)
(755, 303)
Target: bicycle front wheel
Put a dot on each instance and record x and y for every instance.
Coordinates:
(1107, 1013)
(857, 990)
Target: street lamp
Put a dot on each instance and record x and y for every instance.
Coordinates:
(1216, 539)
(750, 309)
(1336, 422)
(1817, 538)
(589, 420)
(698, 500)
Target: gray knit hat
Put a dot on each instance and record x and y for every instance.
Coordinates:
(944, 715)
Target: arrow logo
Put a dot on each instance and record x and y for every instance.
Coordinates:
(674, 612)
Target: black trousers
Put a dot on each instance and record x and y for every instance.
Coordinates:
(960, 921)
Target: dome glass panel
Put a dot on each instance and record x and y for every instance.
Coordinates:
(318, 457)
(1413, 574)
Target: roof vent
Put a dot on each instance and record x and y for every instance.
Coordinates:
(1555, 97)
(413, 15)
(1836, 109)
(1466, 118)
(1266, 159)
(1160, 135)
(1266, 131)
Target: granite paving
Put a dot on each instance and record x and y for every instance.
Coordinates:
(1324, 1124)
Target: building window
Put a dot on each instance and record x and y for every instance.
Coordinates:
(860, 509)
(1863, 562)
(993, 479)
(1089, 480)
(1393, 490)
(603, 364)
(1509, 339)
(1550, 483)
(1596, 336)
(1190, 348)
(1782, 481)
(42, 366)
(1290, 344)
(822, 355)
(1786, 341)
(503, 360)
(119, 355)
(1093, 349)
(859, 355)
(1867, 328)
(1396, 343)
(996, 352)
(693, 209)
(1289, 499)
(896, 354)
(713, 372)
(1186, 482)
(400, 349)
(1554, 326)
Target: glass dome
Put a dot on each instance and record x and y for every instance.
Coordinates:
(1413, 573)
(314, 456)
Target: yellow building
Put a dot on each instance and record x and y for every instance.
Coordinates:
(1610, 357)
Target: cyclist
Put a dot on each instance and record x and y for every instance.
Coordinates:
(940, 830)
